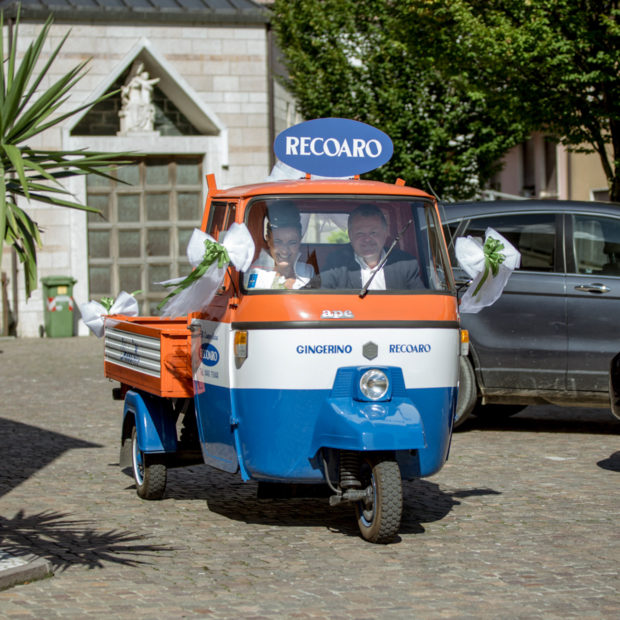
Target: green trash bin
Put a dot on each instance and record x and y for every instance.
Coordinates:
(58, 306)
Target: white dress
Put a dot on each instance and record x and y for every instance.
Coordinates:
(262, 275)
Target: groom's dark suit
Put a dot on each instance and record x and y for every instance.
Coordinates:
(342, 271)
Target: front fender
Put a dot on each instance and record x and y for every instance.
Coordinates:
(154, 420)
(348, 424)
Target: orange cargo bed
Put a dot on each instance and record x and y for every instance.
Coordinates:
(150, 354)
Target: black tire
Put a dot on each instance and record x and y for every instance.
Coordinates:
(614, 386)
(150, 478)
(379, 517)
(496, 412)
(468, 392)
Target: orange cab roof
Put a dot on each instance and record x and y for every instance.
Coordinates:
(310, 186)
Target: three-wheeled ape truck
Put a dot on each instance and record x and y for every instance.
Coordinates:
(338, 373)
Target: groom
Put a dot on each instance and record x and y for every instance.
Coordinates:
(351, 266)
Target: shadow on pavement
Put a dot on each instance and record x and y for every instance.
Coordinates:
(425, 502)
(65, 542)
(227, 495)
(550, 419)
(26, 449)
(612, 463)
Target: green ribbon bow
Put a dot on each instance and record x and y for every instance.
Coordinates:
(214, 251)
(108, 302)
(492, 260)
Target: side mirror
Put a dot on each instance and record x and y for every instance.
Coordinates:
(462, 280)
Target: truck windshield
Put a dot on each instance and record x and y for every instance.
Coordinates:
(343, 244)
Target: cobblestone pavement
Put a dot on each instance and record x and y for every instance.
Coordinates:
(522, 522)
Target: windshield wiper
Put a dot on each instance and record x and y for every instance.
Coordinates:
(379, 267)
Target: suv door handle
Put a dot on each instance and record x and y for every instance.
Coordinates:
(595, 287)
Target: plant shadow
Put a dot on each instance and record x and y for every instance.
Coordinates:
(65, 542)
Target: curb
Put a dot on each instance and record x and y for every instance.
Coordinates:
(15, 570)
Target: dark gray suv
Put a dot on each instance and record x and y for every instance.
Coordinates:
(551, 336)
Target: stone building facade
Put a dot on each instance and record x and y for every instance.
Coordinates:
(216, 109)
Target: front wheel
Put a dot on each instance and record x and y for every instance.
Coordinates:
(150, 478)
(379, 515)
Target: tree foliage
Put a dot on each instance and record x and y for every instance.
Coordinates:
(386, 63)
(26, 110)
(457, 83)
(560, 68)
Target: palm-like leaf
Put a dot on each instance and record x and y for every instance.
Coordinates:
(35, 174)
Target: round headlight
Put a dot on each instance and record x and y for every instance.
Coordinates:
(374, 384)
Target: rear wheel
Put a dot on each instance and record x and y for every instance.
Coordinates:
(379, 515)
(150, 477)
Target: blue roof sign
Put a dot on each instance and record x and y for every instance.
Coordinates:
(333, 147)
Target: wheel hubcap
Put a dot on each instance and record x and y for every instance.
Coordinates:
(368, 510)
(138, 463)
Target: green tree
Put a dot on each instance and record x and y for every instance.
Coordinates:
(456, 83)
(559, 68)
(27, 110)
(389, 63)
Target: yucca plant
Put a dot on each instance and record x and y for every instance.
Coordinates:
(36, 174)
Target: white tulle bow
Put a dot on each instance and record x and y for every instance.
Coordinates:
(490, 266)
(93, 312)
(195, 294)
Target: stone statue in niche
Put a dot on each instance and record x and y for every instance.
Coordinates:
(137, 113)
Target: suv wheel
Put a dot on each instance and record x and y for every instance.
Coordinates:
(468, 392)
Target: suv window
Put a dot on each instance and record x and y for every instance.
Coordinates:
(533, 234)
(596, 244)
